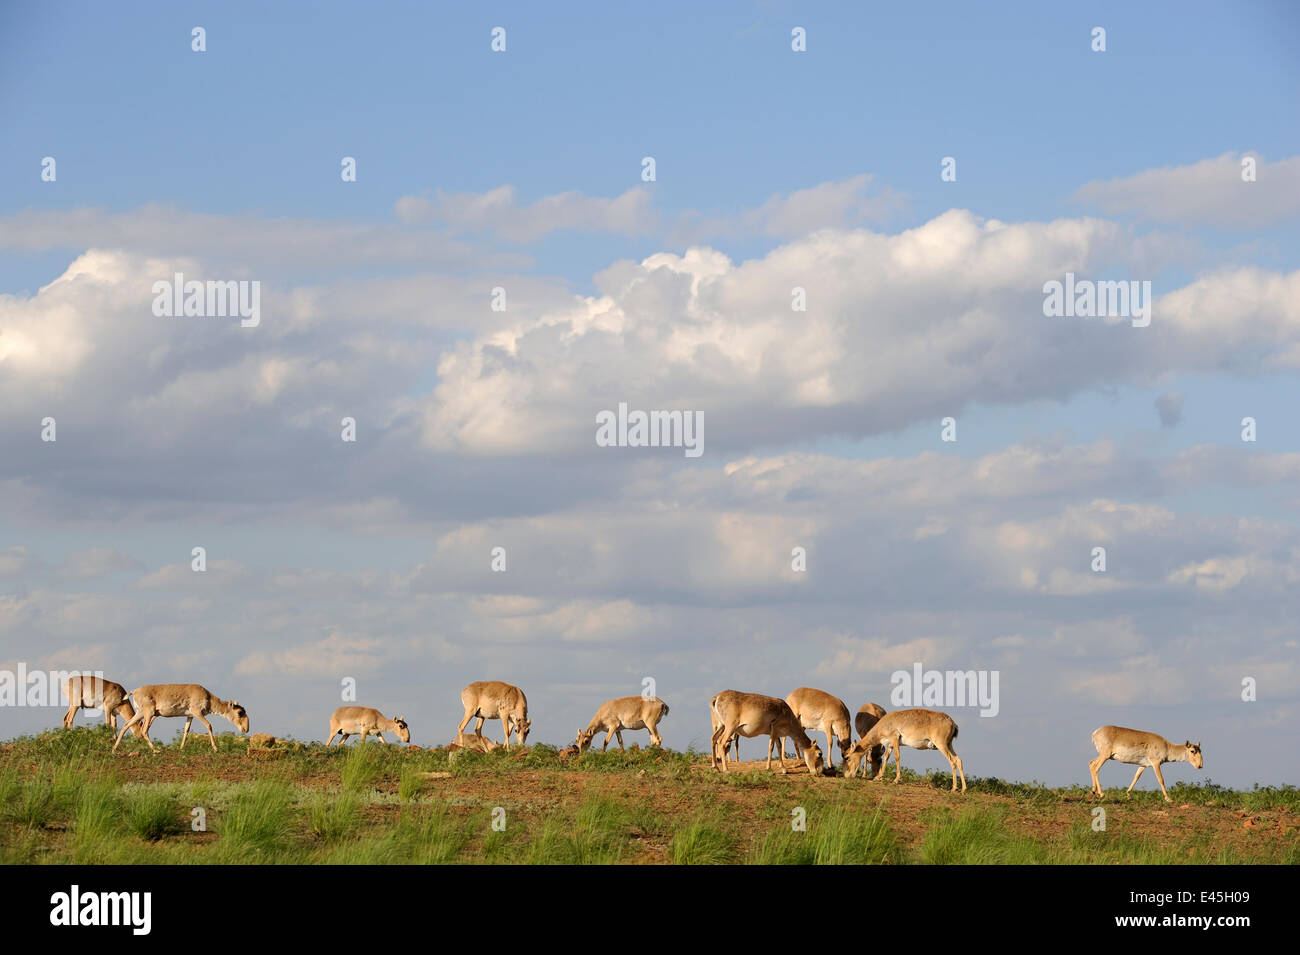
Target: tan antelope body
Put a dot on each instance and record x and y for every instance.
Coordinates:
(753, 714)
(920, 729)
(731, 745)
(96, 693)
(351, 720)
(1140, 748)
(189, 700)
(868, 717)
(824, 712)
(625, 713)
(734, 742)
(492, 699)
(478, 743)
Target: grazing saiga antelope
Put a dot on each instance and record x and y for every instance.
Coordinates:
(753, 714)
(492, 699)
(625, 713)
(1144, 749)
(96, 693)
(920, 729)
(868, 717)
(350, 720)
(819, 710)
(180, 699)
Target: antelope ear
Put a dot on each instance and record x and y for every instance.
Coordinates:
(1187, 743)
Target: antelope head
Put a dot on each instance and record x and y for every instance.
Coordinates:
(865, 748)
(812, 757)
(1194, 754)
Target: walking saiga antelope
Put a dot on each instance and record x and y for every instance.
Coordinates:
(96, 693)
(492, 699)
(350, 720)
(1144, 749)
(920, 729)
(868, 717)
(752, 714)
(819, 710)
(625, 713)
(180, 699)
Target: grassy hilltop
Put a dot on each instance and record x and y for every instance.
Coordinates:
(64, 798)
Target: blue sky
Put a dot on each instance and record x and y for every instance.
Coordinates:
(1030, 112)
(473, 424)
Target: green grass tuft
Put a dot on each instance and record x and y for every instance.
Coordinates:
(255, 827)
(151, 815)
(979, 837)
(333, 817)
(834, 835)
(703, 843)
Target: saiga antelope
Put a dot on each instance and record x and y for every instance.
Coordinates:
(868, 717)
(96, 693)
(625, 713)
(753, 714)
(1140, 748)
(350, 720)
(181, 699)
(492, 699)
(920, 729)
(480, 744)
(819, 710)
(733, 744)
